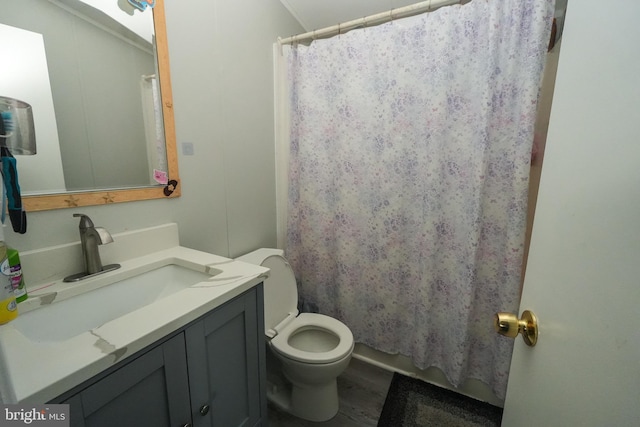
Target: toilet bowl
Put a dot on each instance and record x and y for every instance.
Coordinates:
(311, 349)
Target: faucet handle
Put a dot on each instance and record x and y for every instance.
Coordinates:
(85, 221)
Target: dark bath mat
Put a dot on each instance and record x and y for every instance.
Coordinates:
(414, 403)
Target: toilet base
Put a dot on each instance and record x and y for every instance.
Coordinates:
(318, 403)
(280, 396)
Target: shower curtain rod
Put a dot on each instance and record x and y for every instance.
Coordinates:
(377, 19)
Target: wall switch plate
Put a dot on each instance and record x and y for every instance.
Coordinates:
(187, 148)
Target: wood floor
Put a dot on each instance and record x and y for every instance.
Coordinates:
(362, 389)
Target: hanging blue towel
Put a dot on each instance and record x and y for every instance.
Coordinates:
(17, 215)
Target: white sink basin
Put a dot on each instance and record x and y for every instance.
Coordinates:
(65, 319)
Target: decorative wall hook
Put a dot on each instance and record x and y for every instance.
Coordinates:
(171, 187)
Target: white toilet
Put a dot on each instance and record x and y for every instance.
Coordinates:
(312, 349)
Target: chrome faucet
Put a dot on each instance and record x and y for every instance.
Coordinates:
(90, 238)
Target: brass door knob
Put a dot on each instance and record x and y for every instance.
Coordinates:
(509, 325)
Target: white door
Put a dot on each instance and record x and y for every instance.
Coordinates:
(583, 274)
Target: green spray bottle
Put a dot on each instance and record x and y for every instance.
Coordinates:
(15, 272)
(8, 306)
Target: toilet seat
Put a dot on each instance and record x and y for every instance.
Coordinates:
(281, 343)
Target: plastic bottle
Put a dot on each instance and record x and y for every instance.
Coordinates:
(8, 305)
(17, 278)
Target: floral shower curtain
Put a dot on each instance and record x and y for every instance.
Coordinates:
(408, 177)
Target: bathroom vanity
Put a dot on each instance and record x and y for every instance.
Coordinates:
(207, 373)
(190, 353)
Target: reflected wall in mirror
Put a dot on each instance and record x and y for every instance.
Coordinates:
(99, 85)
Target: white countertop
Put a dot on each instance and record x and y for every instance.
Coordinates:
(36, 372)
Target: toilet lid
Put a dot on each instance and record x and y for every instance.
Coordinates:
(280, 292)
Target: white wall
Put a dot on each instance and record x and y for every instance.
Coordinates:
(221, 70)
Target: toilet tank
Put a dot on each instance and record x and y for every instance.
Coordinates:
(259, 255)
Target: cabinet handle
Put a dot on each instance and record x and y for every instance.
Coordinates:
(204, 410)
(186, 425)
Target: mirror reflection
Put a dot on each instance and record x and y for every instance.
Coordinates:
(91, 78)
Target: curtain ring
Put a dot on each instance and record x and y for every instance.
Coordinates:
(339, 29)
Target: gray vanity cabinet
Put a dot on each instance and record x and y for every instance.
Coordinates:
(209, 374)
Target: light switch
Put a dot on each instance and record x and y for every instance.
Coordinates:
(187, 148)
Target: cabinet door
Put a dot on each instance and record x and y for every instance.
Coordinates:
(151, 390)
(225, 353)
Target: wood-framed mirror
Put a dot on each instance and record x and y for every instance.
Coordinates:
(162, 183)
